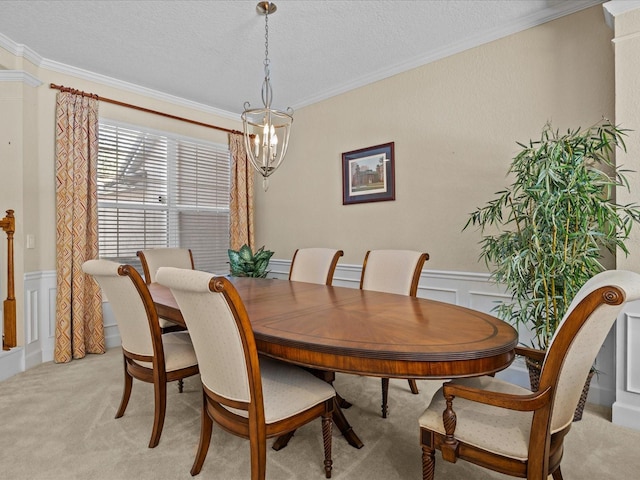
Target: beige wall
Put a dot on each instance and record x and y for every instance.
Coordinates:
(455, 123)
(11, 179)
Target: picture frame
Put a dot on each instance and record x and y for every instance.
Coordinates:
(368, 175)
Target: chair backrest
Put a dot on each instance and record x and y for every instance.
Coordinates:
(132, 306)
(154, 258)
(314, 265)
(392, 271)
(578, 338)
(220, 332)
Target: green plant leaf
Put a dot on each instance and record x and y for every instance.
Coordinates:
(245, 253)
(245, 263)
(550, 227)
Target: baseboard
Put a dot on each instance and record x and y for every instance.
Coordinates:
(11, 362)
(626, 415)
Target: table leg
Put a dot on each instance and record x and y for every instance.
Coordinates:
(385, 395)
(282, 441)
(342, 402)
(330, 377)
(347, 430)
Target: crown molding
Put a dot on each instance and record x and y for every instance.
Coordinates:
(564, 8)
(19, 50)
(618, 7)
(25, 52)
(130, 87)
(19, 76)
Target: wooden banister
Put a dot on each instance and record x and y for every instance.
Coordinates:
(9, 337)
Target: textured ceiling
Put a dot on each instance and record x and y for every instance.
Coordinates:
(212, 52)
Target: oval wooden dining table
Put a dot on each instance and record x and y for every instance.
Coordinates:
(340, 329)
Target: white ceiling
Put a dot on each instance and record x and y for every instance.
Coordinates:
(211, 52)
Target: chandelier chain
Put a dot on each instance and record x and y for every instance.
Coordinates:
(266, 41)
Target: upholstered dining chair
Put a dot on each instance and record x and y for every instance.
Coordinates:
(510, 429)
(314, 265)
(247, 395)
(154, 258)
(148, 355)
(393, 271)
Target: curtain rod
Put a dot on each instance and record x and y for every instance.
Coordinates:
(142, 109)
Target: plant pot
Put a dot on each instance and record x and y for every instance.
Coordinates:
(534, 378)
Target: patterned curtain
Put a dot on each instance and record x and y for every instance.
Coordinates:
(79, 327)
(241, 204)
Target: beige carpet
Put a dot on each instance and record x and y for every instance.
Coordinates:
(57, 422)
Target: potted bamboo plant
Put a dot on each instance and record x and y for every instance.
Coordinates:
(550, 228)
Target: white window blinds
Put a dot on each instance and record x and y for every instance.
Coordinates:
(160, 190)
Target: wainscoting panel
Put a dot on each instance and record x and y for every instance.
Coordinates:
(52, 291)
(626, 408)
(39, 312)
(40, 319)
(31, 314)
(632, 383)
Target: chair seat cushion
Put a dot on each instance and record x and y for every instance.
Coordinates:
(178, 352)
(288, 390)
(498, 430)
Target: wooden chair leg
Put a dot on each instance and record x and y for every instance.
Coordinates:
(385, 394)
(413, 386)
(160, 394)
(327, 425)
(126, 393)
(206, 426)
(180, 385)
(557, 475)
(258, 445)
(428, 463)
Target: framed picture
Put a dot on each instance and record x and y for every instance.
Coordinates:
(368, 175)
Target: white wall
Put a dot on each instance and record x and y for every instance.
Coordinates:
(624, 17)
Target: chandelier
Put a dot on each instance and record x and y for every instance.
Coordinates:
(266, 131)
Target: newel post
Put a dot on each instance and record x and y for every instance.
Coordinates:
(9, 337)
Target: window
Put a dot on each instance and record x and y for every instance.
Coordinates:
(161, 190)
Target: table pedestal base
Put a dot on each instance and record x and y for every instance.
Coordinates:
(339, 420)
